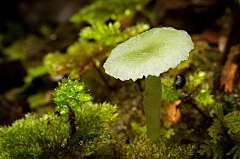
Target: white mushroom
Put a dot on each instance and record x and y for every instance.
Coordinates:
(149, 54)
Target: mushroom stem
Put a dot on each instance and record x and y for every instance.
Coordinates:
(152, 104)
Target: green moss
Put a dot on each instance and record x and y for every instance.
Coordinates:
(52, 136)
(224, 134)
(108, 10)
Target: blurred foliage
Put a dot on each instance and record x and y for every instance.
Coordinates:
(105, 10)
(31, 49)
(111, 34)
(140, 130)
(201, 58)
(231, 102)
(72, 63)
(1, 39)
(39, 99)
(34, 72)
(27, 50)
(80, 55)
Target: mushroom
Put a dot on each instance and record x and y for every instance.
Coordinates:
(149, 54)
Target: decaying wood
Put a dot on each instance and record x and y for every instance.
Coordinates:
(174, 114)
(229, 70)
(234, 36)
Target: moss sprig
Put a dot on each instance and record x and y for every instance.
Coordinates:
(70, 95)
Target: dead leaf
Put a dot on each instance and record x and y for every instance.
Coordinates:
(174, 114)
(229, 70)
(212, 35)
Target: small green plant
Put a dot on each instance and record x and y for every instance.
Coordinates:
(169, 92)
(70, 95)
(78, 132)
(142, 148)
(111, 34)
(224, 133)
(105, 10)
(199, 90)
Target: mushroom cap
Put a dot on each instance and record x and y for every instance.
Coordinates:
(149, 53)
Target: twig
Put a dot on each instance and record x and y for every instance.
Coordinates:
(201, 112)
